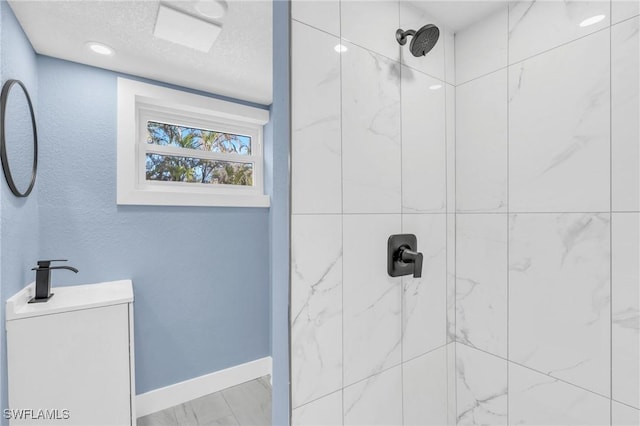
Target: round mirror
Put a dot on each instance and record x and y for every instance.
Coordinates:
(18, 138)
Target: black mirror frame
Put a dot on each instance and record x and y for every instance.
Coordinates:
(3, 148)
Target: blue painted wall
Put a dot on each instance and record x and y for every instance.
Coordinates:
(205, 278)
(19, 217)
(201, 275)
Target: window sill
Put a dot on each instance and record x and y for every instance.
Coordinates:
(195, 199)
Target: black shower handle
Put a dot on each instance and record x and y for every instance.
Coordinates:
(409, 256)
(403, 257)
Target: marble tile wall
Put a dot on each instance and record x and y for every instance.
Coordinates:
(547, 306)
(512, 152)
(373, 154)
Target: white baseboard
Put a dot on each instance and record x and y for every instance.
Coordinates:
(179, 393)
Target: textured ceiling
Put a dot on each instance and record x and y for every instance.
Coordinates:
(456, 15)
(239, 64)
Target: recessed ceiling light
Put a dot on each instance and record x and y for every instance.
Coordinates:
(100, 48)
(340, 48)
(435, 87)
(215, 9)
(592, 20)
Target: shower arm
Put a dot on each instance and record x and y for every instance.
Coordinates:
(401, 35)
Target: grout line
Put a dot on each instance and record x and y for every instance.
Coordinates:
(521, 212)
(532, 56)
(369, 213)
(462, 213)
(482, 76)
(446, 228)
(508, 219)
(413, 358)
(314, 27)
(534, 370)
(455, 256)
(446, 200)
(455, 382)
(425, 73)
(625, 404)
(311, 401)
(452, 377)
(610, 220)
(403, 282)
(611, 24)
(341, 210)
(395, 365)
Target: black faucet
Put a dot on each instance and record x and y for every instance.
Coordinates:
(43, 279)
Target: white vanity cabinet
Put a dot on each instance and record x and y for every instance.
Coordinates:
(70, 360)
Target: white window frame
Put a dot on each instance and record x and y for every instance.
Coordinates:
(141, 102)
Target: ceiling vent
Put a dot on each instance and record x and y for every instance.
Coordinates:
(181, 28)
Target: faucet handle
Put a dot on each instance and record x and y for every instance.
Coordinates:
(47, 263)
(410, 256)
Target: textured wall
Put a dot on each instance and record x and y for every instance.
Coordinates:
(372, 138)
(547, 228)
(19, 243)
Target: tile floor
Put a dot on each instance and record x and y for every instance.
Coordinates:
(247, 404)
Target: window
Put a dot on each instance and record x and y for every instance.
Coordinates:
(177, 148)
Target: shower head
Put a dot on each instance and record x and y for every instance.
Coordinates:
(423, 40)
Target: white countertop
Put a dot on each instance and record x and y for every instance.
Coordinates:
(68, 299)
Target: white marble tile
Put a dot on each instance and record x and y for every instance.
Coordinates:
(537, 26)
(316, 175)
(424, 299)
(326, 411)
(481, 387)
(452, 414)
(625, 115)
(537, 399)
(424, 167)
(449, 57)
(559, 129)
(481, 281)
(372, 299)
(559, 296)
(413, 17)
(370, 132)
(451, 277)
(316, 306)
(625, 305)
(450, 118)
(482, 47)
(624, 9)
(425, 389)
(372, 25)
(375, 401)
(623, 415)
(481, 144)
(322, 14)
